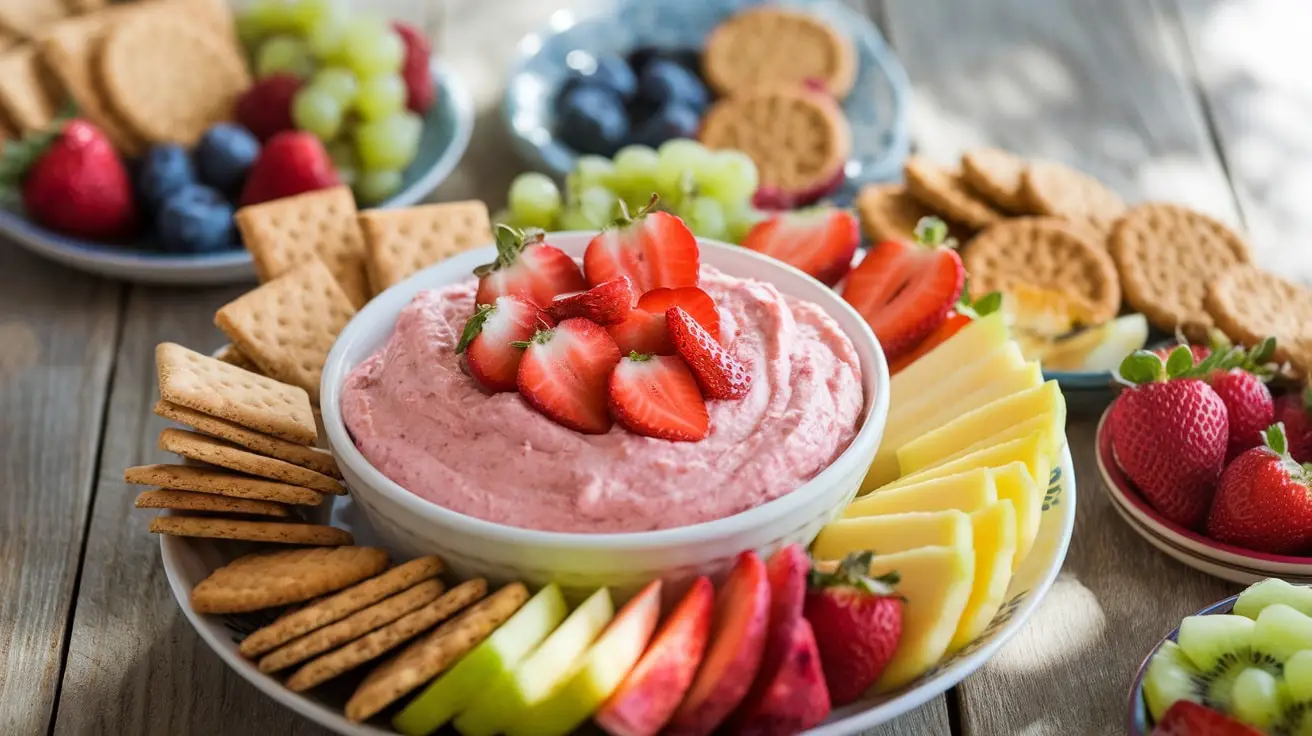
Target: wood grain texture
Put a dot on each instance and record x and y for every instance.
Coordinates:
(135, 666)
(57, 331)
(1260, 102)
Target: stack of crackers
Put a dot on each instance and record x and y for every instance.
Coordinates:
(142, 72)
(359, 611)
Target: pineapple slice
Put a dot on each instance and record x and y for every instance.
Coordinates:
(980, 337)
(1030, 450)
(1014, 484)
(965, 492)
(891, 533)
(994, 531)
(969, 377)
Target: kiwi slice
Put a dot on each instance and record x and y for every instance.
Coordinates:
(1297, 717)
(1256, 699)
(1273, 590)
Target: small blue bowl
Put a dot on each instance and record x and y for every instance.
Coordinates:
(1138, 722)
(447, 129)
(876, 109)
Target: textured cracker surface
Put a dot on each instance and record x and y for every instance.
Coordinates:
(267, 579)
(944, 192)
(1249, 304)
(402, 241)
(206, 449)
(994, 175)
(320, 461)
(195, 501)
(204, 479)
(278, 532)
(1057, 190)
(777, 47)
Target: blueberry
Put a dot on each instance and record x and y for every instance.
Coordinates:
(591, 119)
(224, 155)
(640, 57)
(664, 81)
(163, 171)
(675, 120)
(197, 219)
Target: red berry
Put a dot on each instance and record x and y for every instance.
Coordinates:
(487, 341)
(527, 267)
(644, 329)
(720, 375)
(266, 108)
(820, 241)
(857, 622)
(608, 303)
(1248, 405)
(75, 183)
(1263, 501)
(1186, 718)
(656, 396)
(415, 69)
(653, 248)
(292, 162)
(1294, 410)
(564, 374)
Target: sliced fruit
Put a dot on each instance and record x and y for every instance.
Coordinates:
(486, 342)
(968, 491)
(1190, 719)
(905, 290)
(720, 375)
(742, 615)
(1280, 631)
(607, 303)
(1255, 698)
(505, 701)
(1101, 348)
(644, 329)
(564, 374)
(971, 375)
(601, 670)
(994, 531)
(493, 660)
(1014, 484)
(653, 248)
(891, 533)
(1297, 717)
(966, 311)
(656, 396)
(794, 696)
(787, 572)
(1267, 592)
(1029, 450)
(648, 696)
(819, 241)
(1170, 678)
(527, 267)
(975, 339)
(858, 623)
(992, 423)
(1219, 648)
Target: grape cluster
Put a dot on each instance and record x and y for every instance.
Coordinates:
(353, 97)
(711, 190)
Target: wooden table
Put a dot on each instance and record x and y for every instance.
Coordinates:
(1201, 101)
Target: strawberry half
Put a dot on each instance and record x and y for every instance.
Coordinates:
(527, 267)
(656, 396)
(720, 375)
(819, 241)
(607, 303)
(857, 622)
(644, 329)
(486, 340)
(564, 374)
(905, 290)
(1187, 718)
(965, 312)
(653, 248)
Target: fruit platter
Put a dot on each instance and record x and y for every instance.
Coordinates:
(112, 176)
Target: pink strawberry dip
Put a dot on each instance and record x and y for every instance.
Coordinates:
(421, 421)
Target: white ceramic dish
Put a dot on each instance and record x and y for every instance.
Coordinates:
(582, 562)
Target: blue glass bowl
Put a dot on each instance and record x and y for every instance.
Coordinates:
(876, 109)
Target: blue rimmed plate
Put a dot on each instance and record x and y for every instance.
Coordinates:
(447, 129)
(876, 108)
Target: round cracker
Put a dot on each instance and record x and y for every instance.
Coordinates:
(268, 579)
(943, 192)
(170, 79)
(1249, 305)
(994, 175)
(1046, 253)
(1166, 255)
(773, 46)
(889, 212)
(1053, 189)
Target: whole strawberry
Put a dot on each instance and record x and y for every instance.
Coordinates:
(73, 182)
(292, 162)
(1264, 501)
(266, 108)
(1248, 405)
(857, 622)
(1169, 432)
(1294, 410)
(415, 69)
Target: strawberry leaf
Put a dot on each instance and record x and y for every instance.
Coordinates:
(932, 232)
(1179, 362)
(474, 326)
(987, 304)
(1274, 438)
(854, 572)
(1141, 366)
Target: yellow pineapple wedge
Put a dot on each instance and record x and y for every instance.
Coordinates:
(891, 533)
(1030, 450)
(966, 492)
(994, 531)
(1014, 484)
(968, 377)
(975, 339)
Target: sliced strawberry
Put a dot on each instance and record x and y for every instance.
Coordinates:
(819, 241)
(607, 303)
(527, 267)
(656, 396)
(965, 312)
(720, 375)
(652, 248)
(564, 374)
(486, 340)
(644, 329)
(905, 290)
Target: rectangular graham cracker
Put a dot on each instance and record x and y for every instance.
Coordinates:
(164, 498)
(320, 461)
(400, 242)
(288, 325)
(285, 233)
(279, 532)
(206, 449)
(220, 483)
(212, 387)
(232, 356)
(23, 95)
(27, 18)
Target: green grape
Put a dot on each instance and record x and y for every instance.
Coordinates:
(534, 199)
(572, 218)
(677, 164)
(705, 217)
(729, 177)
(283, 54)
(338, 82)
(390, 143)
(740, 221)
(635, 175)
(380, 96)
(589, 171)
(342, 153)
(306, 15)
(316, 111)
(369, 48)
(598, 204)
(261, 19)
(376, 185)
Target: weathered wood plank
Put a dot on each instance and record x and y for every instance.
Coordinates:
(135, 665)
(1252, 62)
(1104, 87)
(57, 331)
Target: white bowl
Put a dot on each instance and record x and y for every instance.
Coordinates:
(581, 562)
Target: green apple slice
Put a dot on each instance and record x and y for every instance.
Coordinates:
(496, 658)
(601, 670)
(504, 701)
